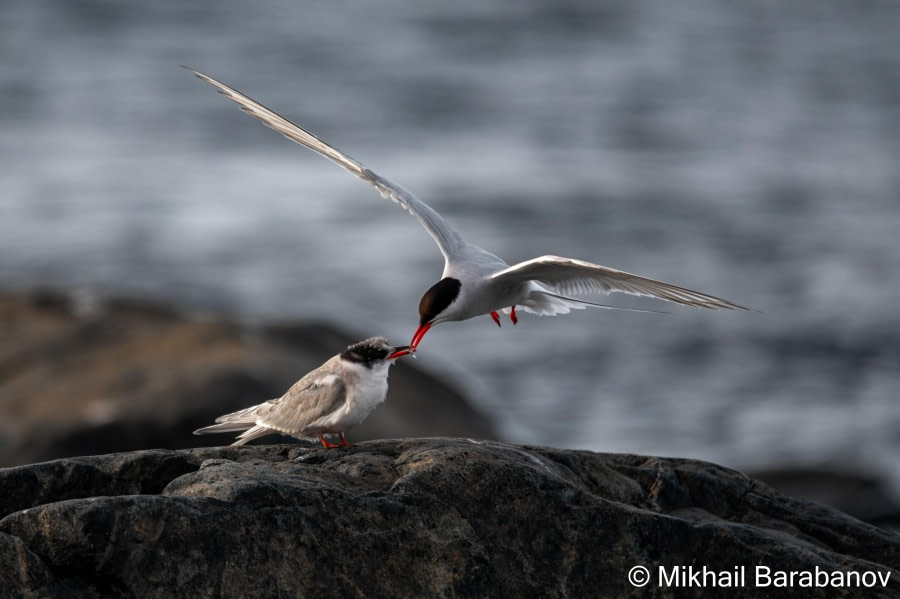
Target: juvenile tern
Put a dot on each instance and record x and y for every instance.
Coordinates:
(334, 397)
(474, 281)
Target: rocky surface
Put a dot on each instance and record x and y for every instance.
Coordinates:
(411, 518)
(865, 496)
(84, 376)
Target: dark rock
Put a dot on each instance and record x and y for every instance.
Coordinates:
(84, 377)
(862, 495)
(410, 518)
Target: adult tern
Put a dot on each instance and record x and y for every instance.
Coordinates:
(474, 281)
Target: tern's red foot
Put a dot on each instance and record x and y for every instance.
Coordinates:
(512, 315)
(496, 318)
(343, 441)
(327, 444)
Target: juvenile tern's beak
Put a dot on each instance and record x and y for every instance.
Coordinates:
(403, 350)
(417, 336)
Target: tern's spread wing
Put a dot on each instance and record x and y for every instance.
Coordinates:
(568, 276)
(447, 239)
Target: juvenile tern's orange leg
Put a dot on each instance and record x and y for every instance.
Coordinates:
(326, 444)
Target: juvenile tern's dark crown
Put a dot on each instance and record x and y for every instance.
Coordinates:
(368, 352)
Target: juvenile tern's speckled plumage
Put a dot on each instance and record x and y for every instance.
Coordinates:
(474, 281)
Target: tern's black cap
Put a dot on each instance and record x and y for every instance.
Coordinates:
(438, 298)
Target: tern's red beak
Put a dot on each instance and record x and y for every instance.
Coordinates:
(399, 351)
(417, 337)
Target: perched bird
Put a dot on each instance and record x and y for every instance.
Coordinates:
(334, 397)
(474, 281)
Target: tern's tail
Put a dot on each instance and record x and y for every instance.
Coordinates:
(224, 427)
(229, 423)
(251, 430)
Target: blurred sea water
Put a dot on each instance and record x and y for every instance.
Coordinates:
(748, 150)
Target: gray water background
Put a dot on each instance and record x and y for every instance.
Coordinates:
(749, 150)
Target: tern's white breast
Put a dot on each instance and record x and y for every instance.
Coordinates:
(367, 392)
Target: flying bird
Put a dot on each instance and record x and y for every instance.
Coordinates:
(476, 282)
(334, 397)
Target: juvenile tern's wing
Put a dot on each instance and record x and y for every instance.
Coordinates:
(309, 399)
(446, 238)
(568, 276)
(303, 404)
